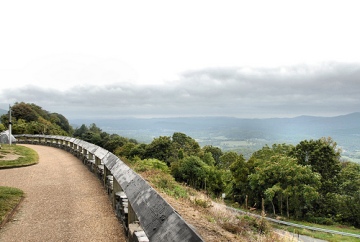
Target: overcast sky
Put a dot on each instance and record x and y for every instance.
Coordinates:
(161, 58)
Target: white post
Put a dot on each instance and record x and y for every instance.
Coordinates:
(10, 125)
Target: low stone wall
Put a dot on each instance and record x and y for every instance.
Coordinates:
(146, 216)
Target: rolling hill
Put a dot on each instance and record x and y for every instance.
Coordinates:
(241, 135)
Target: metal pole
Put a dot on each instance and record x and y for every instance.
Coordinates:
(9, 125)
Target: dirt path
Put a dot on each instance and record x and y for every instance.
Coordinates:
(63, 202)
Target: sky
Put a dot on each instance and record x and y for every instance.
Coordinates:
(248, 59)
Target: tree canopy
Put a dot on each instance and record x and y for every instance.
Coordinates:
(29, 118)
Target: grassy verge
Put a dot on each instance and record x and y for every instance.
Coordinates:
(9, 199)
(25, 156)
(322, 235)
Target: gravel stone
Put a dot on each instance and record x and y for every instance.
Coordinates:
(64, 201)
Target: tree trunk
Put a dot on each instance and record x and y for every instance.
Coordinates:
(246, 202)
(287, 207)
(273, 207)
(262, 208)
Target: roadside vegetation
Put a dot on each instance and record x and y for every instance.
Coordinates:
(9, 199)
(322, 235)
(308, 182)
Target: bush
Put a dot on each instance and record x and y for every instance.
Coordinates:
(166, 183)
(150, 164)
(261, 225)
(202, 202)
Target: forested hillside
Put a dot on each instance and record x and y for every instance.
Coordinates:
(28, 118)
(305, 181)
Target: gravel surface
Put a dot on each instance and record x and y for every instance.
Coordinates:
(63, 201)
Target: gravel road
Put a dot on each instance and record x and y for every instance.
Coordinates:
(63, 202)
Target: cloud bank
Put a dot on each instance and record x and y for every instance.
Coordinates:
(324, 90)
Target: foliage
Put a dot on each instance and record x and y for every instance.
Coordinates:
(284, 183)
(150, 164)
(9, 199)
(160, 148)
(2, 127)
(227, 159)
(158, 174)
(185, 143)
(28, 118)
(323, 157)
(202, 202)
(191, 170)
(306, 181)
(216, 152)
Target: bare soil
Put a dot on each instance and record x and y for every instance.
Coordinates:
(207, 222)
(8, 155)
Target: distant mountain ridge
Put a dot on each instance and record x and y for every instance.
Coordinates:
(238, 133)
(3, 111)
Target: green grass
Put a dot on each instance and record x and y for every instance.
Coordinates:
(9, 198)
(337, 227)
(26, 155)
(322, 235)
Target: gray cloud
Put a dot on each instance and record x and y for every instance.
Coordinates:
(327, 89)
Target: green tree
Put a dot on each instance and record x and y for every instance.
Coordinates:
(188, 145)
(208, 159)
(79, 132)
(281, 180)
(160, 148)
(346, 204)
(227, 159)
(323, 157)
(61, 121)
(24, 111)
(191, 170)
(216, 152)
(216, 180)
(19, 127)
(114, 141)
(240, 185)
(349, 178)
(125, 150)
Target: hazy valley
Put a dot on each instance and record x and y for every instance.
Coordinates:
(241, 135)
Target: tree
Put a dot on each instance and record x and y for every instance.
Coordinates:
(281, 180)
(191, 170)
(227, 159)
(188, 145)
(216, 152)
(113, 142)
(216, 180)
(349, 178)
(160, 148)
(240, 171)
(323, 157)
(24, 111)
(347, 203)
(61, 121)
(208, 159)
(79, 132)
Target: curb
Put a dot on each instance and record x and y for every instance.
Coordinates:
(10, 214)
